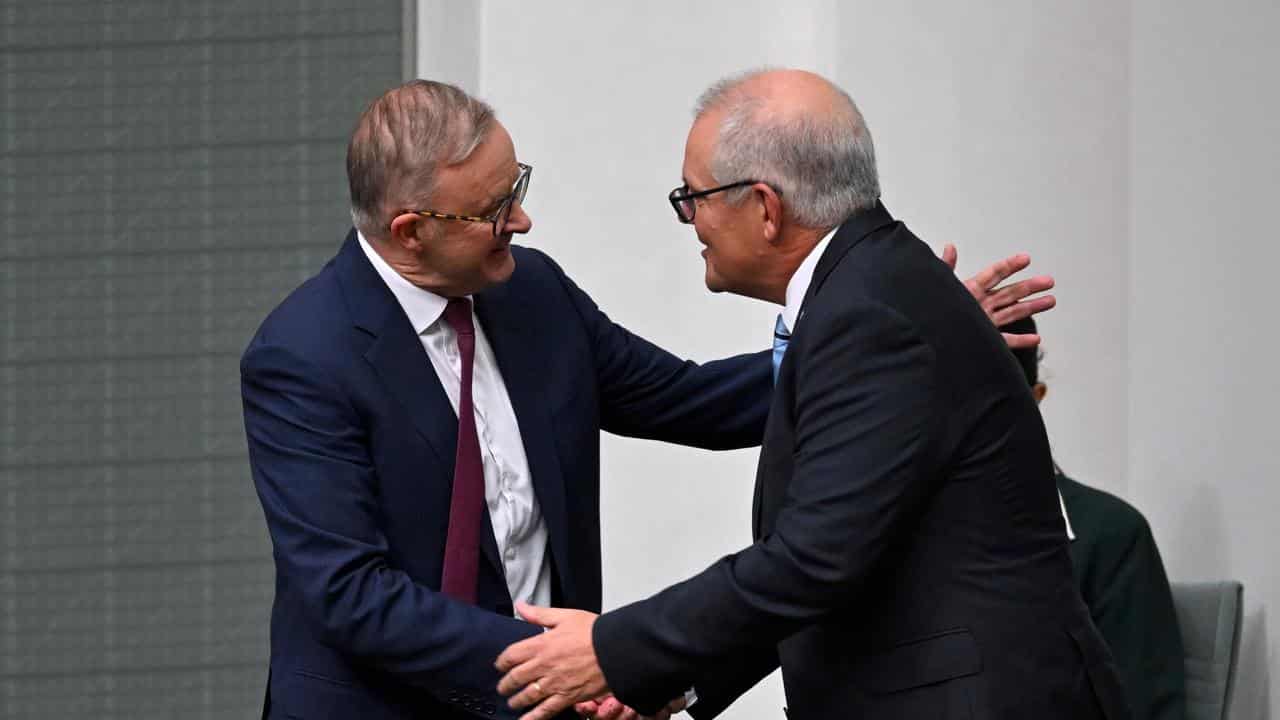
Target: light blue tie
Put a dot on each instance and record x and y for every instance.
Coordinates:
(781, 336)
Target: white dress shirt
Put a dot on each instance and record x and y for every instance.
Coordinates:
(518, 524)
(798, 286)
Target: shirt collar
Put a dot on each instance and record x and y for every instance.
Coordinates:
(423, 307)
(1057, 472)
(798, 286)
(1071, 533)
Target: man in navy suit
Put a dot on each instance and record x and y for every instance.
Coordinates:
(423, 420)
(910, 557)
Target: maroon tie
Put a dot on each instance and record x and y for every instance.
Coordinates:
(462, 549)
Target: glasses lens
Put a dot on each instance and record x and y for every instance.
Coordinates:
(500, 219)
(522, 184)
(687, 208)
(683, 206)
(516, 196)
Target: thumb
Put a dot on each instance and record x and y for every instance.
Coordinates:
(546, 617)
(949, 255)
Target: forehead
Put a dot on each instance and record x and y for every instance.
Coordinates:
(489, 169)
(700, 143)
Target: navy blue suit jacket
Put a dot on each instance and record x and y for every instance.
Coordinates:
(352, 442)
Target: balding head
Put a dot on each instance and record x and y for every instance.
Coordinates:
(798, 132)
(401, 141)
(784, 94)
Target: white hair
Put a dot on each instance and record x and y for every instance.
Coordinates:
(823, 165)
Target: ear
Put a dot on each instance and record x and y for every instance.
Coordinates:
(1038, 391)
(404, 231)
(771, 210)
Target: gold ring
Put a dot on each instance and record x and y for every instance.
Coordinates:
(537, 687)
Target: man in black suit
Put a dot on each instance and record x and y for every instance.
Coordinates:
(910, 557)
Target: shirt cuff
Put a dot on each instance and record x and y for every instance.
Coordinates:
(690, 697)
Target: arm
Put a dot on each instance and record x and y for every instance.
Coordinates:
(647, 392)
(860, 470)
(309, 454)
(719, 687)
(1132, 606)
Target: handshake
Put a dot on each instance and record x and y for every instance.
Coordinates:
(609, 708)
(558, 669)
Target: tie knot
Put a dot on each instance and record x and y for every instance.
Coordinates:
(458, 314)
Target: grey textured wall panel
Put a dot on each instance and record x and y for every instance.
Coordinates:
(168, 171)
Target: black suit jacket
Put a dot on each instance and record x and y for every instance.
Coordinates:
(1122, 581)
(911, 558)
(352, 443)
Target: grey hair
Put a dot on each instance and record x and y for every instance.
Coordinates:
(401, 141)
(823, 164)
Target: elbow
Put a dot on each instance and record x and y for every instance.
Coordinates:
(343, 611)
(831, 566)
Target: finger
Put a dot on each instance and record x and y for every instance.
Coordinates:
(1010, 294)
(587, 709)
(548, 709)
(1019, 342)
(532, 694)
(611, 709)
(1024, 309)
(996, 272)
(519, 653)
(519, 677)
(949, 255)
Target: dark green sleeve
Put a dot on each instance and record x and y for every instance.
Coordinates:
(1128, 595)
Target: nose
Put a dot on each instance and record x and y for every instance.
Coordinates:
(518, 221)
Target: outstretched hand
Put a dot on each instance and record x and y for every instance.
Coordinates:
(555, 670)
(1005, 304)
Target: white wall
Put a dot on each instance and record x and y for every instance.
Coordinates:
(1009, 129)
(1002, 127)
(1202, 379)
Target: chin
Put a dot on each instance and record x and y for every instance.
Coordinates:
(715, 283)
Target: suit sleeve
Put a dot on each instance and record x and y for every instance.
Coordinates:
(721, 685)
(308, 454)
(863, 403)
(1132, 606)
(646, 392)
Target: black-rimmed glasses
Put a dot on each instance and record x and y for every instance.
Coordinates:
(499, 217)
(682, 199)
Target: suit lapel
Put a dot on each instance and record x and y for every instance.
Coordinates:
(851, 232)
(514, 345)
(397, 356)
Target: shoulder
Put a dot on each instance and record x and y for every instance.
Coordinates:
(311, 322)
(1103, 514)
